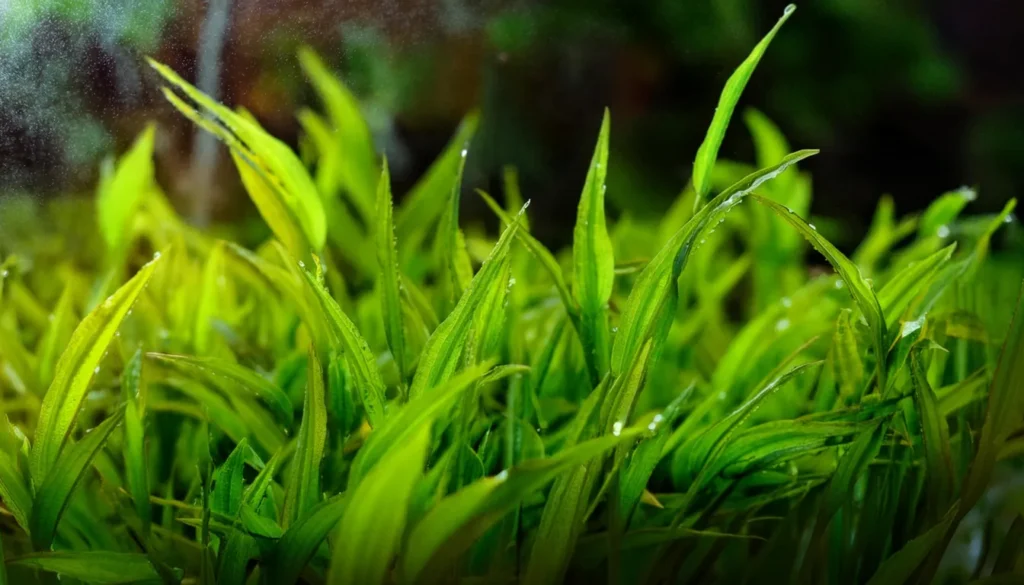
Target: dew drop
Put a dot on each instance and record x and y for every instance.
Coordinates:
(811, 225)
(617, 428)
(502, 476)
(615, 329)
(302, 264)
(97, 370)
(652, 426)
(156, 256)
(943, 231)
(839, 283)
(4, 273)
(702, 240)
(464, 152)
(786, 302)
(658, 418)
(789, 10)
(782, 325)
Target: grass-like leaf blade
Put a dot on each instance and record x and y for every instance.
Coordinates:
(390, 280)
(54, 491)
(99, 567)
(371, 530)
(76, 368)
(707, 154)
(304, 481)
(594, 259)
(850, 273)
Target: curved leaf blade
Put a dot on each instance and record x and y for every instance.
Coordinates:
(75, 369)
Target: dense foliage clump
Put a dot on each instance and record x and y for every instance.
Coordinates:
(374, 395)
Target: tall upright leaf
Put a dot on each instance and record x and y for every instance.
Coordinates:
(656, 283)
(304, 481)
(441, 354)
(135, 461)
(389, 282)
(76, 368)
(594, 259)
(357, 163)
(425, 203)
(707, 154)
(346, 337)
(119, 198)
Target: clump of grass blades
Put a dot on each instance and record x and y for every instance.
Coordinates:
(374, 395)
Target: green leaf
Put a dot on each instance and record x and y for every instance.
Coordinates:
(304, 481)
(374, 522)
(58, 332)
(390, 279)
(134, 450)
(544, 256)
(257, 525)
(849, 367)
(232, 378)
(935, 433)
(1003, 413)
(209, 295)
(99, 567)
(425, 203)
(357, 161)
(118, 199)
(594, 259)
(637, 472)
(944, 211)
(346, 338)
(457, 521)
(858, 287)
(299, 543)
(655, 285)
(75, 370)
(228, 482)
(453, 259)
(695, 459)
(55, 490)
(275, 178)
(902, 288)
(708, 151)
(15, 490)
(441, 354)
(771, 147)
(841, 486)
(420, 411)
(904, 563)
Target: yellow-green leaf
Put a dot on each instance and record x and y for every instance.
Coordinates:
(76, 368)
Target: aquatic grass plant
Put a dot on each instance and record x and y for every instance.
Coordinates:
(376, 395)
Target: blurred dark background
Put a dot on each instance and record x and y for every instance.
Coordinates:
(910, 98)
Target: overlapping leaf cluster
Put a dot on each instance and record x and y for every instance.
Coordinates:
(376, 396)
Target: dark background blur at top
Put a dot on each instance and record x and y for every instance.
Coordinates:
(904, 97)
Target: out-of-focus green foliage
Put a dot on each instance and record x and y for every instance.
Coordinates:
(679, 400)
